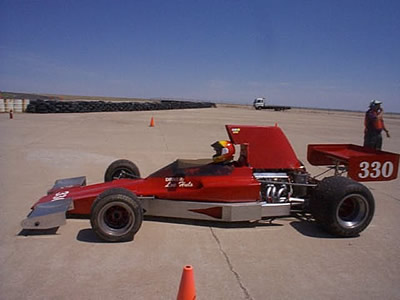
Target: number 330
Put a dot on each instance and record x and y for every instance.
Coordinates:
(375, 169)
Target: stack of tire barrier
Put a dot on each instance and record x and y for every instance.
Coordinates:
(55, 106)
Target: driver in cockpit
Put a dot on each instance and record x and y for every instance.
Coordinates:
(225, 151)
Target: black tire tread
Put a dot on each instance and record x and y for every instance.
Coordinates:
(327, 195)
(116, 194)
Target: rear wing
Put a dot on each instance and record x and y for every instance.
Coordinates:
(265, 147)
(363, 164)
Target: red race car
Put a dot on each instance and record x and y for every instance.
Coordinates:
(266, 180)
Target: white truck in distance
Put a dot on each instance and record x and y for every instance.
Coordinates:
(260, 103)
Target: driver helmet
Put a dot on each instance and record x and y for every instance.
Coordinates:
(374, 103)
(224, 151)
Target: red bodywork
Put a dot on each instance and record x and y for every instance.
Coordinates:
(236, 186)
(262, 148)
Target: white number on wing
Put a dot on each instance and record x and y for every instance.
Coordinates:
(376, 169)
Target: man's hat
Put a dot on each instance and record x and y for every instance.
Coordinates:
(374, 103)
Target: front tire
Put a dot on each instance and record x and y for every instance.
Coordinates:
(116, 215)
(121, 168)
(342, 206)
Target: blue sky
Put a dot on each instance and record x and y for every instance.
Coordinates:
(327, 54)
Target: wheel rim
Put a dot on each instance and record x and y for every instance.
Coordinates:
(352, 211)
(116, 218)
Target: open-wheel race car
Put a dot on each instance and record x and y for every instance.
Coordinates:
(266, 180)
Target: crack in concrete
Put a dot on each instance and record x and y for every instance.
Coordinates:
(228, 261)
(389, 195)
(394, 198)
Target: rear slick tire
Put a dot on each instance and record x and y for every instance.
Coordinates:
(116, 215)
(342, 206)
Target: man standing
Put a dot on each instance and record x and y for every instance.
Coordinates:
(374, 125)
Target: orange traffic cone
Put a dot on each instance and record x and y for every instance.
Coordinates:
(187, 290)
(152, 122)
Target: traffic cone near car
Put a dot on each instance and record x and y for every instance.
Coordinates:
(187, 290)
(152, 122)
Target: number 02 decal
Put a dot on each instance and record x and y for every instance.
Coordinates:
(60, 196)
(375, 169)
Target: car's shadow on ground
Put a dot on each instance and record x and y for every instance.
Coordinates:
(87, 235)
(36, 232)
(310, 228)
(304, 226)
(215, 224)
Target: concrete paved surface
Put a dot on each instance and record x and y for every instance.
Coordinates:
(290, 259)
